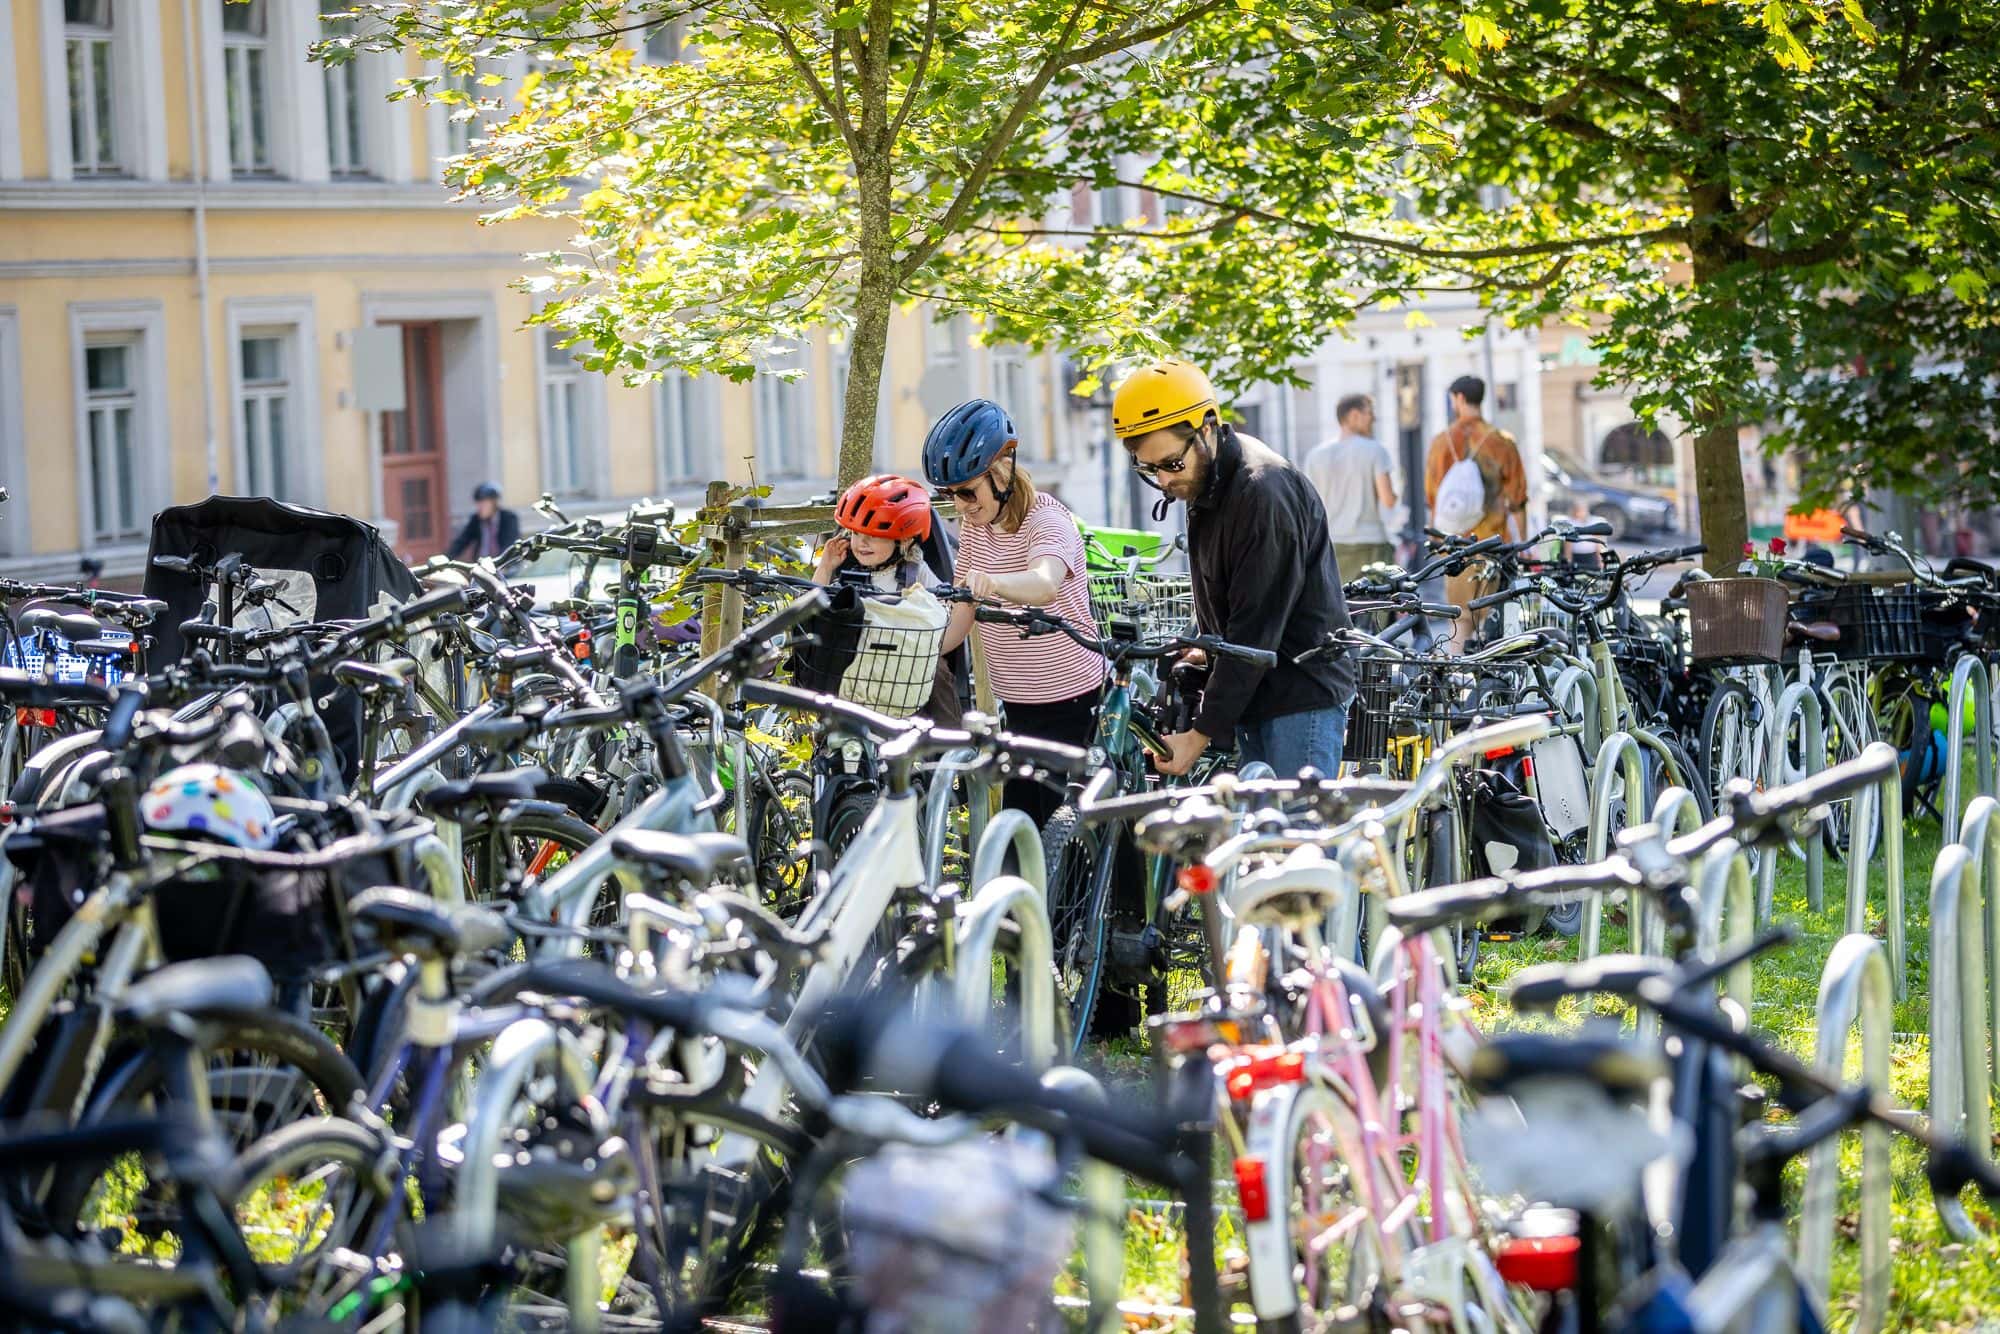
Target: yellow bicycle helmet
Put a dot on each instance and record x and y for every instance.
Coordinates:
(1162, 394)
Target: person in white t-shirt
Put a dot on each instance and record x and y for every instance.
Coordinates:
(1352, 475)
(1018, 545)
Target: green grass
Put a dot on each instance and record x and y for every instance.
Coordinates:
(1934, 1285)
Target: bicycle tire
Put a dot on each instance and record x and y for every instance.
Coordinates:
(568, 835)
(135, 1082)
(1079, 878)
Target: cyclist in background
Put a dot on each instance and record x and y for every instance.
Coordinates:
(1018, 545)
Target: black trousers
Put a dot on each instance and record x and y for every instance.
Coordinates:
(1071, 721)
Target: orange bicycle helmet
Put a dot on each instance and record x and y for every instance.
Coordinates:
(885, 506)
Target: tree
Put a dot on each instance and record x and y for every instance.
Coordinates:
(824, 160)
(1819, 194)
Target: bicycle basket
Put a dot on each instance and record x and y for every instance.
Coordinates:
(44, 652)
(1882, 626)
(958, 1238)
(281, 907)
(874, 652)
(1146, 605)
(1368, 718)
(1737, 620)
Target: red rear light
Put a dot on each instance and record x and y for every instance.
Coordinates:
(1500, 754)
(1251, 1189)
(1196, 879)
(28, 717)
(1541, 1264)
(583, 646)
(1261, 1072)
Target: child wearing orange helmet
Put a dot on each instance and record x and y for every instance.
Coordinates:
(885, 521)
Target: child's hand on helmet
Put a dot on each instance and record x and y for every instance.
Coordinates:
(831, 557)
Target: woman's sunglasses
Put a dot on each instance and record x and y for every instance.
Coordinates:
(1175, 464)
(960, 495)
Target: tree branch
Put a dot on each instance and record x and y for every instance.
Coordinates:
(836, 113)
(917, 73)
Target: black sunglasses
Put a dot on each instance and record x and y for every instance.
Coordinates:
(1175, 464)
(959, 494)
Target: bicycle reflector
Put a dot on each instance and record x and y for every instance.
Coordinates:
(29, 717)
(1252, 1073)
(581, 650)
(1252, 1189)
(1541, 1264)
(1196, 878)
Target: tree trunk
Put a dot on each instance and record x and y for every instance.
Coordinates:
(873, 301)
(1718, 464)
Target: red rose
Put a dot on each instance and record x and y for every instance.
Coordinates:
(1749, 548)
(1777, 546)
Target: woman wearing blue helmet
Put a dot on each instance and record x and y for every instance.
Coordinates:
(1021, 546)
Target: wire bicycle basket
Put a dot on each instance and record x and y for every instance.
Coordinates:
(1152, 606)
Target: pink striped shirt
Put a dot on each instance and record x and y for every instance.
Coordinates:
(1047, 667)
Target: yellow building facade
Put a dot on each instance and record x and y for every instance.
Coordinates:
(224, 267)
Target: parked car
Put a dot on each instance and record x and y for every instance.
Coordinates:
(1631, 511)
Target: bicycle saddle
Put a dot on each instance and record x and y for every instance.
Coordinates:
(690, 857)
(1299, 891)
(411, 923)
(374, 678)
(71, 625)
(489, 789)
(1823, 632)
(1618, 1065)
(1542, 985)
(230, 981)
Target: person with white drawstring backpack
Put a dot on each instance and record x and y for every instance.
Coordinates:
(1474, 484)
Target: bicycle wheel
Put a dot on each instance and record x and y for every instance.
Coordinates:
(264, 1070)
(780, 834)
(1079, 870)
(1849, 728)
(307, 1200)
(543, 844)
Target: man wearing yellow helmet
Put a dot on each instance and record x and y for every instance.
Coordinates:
(1264, 574)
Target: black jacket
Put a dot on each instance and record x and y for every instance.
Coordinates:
(466, 545)
(1264, 576)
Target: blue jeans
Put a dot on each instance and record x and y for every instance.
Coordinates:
(1295, 741)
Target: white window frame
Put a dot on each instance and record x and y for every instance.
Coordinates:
(686, 426)
(14, 516)
(942, 338)
(294, 88)
(346, 102)
(293, 319)
(139, 105)
(10, 124)
(586, 464)
(782, 414)
(1024, 403)
(145, 325)
(439, 124)
(242, 54)
(92, 36)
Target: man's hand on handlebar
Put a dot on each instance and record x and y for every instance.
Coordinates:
(1183, 749)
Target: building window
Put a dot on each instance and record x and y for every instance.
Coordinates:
(264, 408)
(93, 119)
(682, 421)
(346, 144)
(940, 340)
(566, 417)
(1018, 389)
(781, 427)
(111, 401)
(666, 43)
(246, 80)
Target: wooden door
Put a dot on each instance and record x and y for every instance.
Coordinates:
(413, 446)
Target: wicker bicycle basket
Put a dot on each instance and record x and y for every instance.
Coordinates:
(1737, 620)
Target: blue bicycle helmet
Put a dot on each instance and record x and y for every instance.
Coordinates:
(965, 442)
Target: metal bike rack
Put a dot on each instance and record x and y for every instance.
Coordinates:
(1002, 899)
(1103, 1210)
(1011, 831)
(1854, 989)
(1619, 752)
(1800, 699)
(1675, 812)
(1970, 676)
(1727, 894)
(1579, 681)
(1886, 799)
(937, 808)
(1960, 1071)
(1979, 835)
